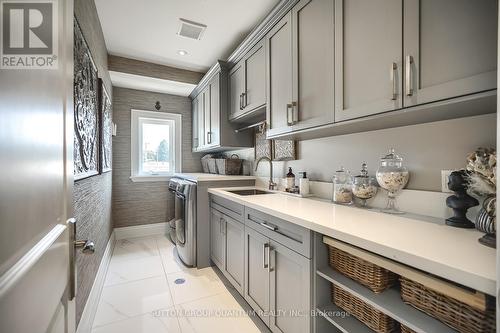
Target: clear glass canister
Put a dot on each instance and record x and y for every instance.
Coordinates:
(342, 187)
(393, 177)
(364, 187)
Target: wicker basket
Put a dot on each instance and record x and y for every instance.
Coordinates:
(405, 329)
(370, 275)
(450, 311)
(212, 166)
(368, 315)
(229, 166)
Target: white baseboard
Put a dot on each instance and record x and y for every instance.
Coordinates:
(85, 325)
(142, 230)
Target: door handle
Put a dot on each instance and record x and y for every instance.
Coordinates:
(244, 96)
(289, 115)
(241, 101)
(409, 76)
(264, 247)
(209, 137)
(394, 68)
(269, 249)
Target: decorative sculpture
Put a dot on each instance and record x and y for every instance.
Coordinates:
(461, 201)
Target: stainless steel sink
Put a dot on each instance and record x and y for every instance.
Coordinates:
(250, 192)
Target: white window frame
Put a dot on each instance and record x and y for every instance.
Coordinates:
(138, 117)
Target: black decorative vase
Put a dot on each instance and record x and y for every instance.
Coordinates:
(486, 222)
(460, 202)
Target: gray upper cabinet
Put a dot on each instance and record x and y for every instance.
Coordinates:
(235, 252)
(290, 287)
(300, 56)
(247, 83)
(313, 63)
(368, 57)
(450, 48)
(279, 76)
(212, 130)
(236, 88)
(257, 272)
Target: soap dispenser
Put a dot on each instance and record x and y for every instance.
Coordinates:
(290, 180)
(303, 183)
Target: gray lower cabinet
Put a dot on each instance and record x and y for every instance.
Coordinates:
(217, 239)
(235, 252)
(277, 283)
(300, 75)
(450, 48)
(290, 296)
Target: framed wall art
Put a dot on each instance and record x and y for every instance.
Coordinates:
(106, 126)
(86, 115)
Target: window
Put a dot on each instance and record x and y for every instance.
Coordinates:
(155, 145)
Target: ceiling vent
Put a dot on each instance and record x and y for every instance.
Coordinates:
(190, 29)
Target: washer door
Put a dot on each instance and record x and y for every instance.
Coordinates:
(180, 219)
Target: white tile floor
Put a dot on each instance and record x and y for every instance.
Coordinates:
(140, 294)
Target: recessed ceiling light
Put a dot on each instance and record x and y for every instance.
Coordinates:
(182, 52)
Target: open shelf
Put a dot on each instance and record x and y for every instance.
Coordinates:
(347, 324)
(388, 302)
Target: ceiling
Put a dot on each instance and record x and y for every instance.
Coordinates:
(147, 29)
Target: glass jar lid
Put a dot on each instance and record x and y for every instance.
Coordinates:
(364, 171)
(341, 175)
(391, 159)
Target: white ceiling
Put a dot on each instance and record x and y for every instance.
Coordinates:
(125, 80)
(146, 29)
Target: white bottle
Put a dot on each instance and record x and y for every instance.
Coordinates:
(304, 184)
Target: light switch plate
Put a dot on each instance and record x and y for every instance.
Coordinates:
(444, 180)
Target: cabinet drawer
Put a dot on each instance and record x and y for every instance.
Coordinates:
(227, 207)
(292, 236)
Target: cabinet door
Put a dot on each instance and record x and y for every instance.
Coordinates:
(255, 78)
(201, 119)
(213, 129)
(450, 48)
(206, 115)
(368, 57)
(235, 252)
(279, 76)
(313, 63)
(236, 89)
(195, 133)
(290, 290)
(257, 272)
(217, 240)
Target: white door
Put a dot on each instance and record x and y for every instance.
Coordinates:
(36, 176)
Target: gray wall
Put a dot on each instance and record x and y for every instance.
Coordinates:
(92, 196)
(145, 202)
(427, 149)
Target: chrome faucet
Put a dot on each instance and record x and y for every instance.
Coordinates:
(272, 185)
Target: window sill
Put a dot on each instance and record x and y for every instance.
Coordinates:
(141, 179)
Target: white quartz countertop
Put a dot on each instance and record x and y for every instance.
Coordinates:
(208, 177)
(429, 245)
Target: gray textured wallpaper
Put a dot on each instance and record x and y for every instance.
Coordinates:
(146, 202)
(92, 196)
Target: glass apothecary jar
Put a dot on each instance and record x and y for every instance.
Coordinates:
(393, 177)
(342, 187)
(364, 187)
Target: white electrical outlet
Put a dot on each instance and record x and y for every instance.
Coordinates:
(444, 180)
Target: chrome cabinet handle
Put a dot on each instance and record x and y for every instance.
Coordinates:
(394, 68)
(264, 264)
(409, 76)
(245, 102)
(269, 249)
(295, 113)
(241, 101)
(209, 137)
(289, 115)
(267, 226)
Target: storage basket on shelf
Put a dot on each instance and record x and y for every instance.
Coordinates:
(456, 314)
(229, 166)
(368, 315)
(204, 163)
(370, 275)
(405, 329)
(212, 166)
